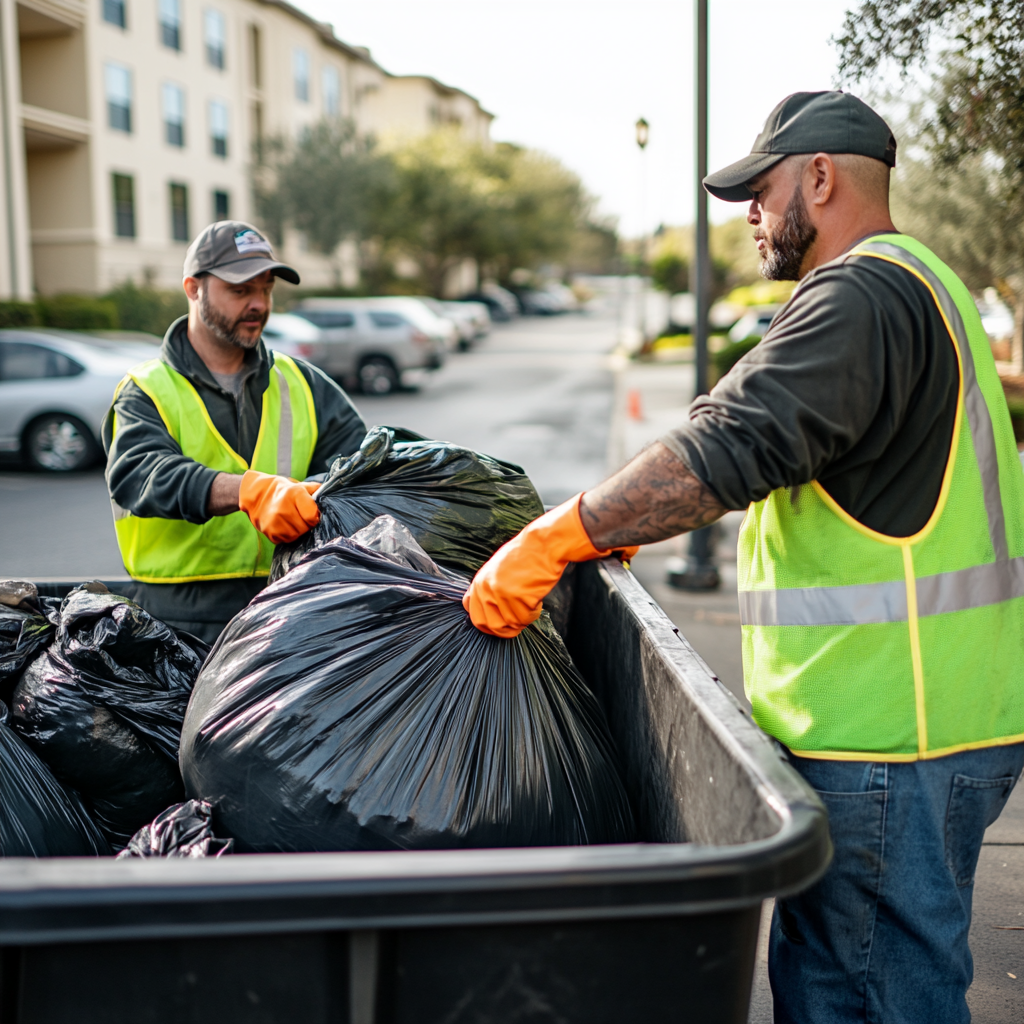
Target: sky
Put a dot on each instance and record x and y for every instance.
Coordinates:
(571, 77)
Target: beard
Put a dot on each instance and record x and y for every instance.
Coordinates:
(784, 252)
(227, 330)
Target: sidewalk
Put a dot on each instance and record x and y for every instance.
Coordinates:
(711, 623)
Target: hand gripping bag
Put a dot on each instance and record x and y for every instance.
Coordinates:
(460, 505)
(38, 816)
(353, 706)
(103, 707)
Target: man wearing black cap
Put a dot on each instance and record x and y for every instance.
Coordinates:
(205, 443)
(880, 563)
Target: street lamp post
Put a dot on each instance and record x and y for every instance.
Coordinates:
(700, 572)
(643, 131)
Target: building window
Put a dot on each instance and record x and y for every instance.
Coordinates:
(300, 71)
(119, 97)
(215, 34)
(332, 90)
(179, 212)
(221, 205)
(174, 114)
(218, 128)
(170, 23)
(256, 56)
(114, 12)
(124, 205)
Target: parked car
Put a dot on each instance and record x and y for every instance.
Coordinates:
(753, 323)
(419, 310)
(538, 302)
(55, 390)
(371, 345)
(296, 336)
(500, 302)
(471, 319)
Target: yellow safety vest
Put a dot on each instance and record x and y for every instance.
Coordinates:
(156, 550)
(862, 646)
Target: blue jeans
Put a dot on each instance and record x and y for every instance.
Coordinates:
(882, 938)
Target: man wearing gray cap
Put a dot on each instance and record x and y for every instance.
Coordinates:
(880, 563)
(206, 443)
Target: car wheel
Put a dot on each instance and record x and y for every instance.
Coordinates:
(377, 376)
(59, 444)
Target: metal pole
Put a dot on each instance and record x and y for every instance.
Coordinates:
(699, 572)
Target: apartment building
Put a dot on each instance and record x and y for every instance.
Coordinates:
(127, 125)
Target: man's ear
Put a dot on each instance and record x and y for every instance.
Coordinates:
(191, 286)
(820, 173)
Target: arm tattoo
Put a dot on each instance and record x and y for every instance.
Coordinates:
(652, 498)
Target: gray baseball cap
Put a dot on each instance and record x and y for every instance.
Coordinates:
(807, 122)
(235, 252)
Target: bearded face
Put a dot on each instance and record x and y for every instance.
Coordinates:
(785, 246)
(230, 331)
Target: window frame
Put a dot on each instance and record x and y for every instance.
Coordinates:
(301, 66)
(217, 213)
(110, 70)
(174, 131)
(220, 105)
(216, 55)
(119, 204)
(330, 71)
(170, 31)
(175, 188)
(121, 6)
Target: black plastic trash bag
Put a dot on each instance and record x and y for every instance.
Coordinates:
(183, 830)
(38, 816)
(103, 707)
(28, 623)
(460, 505)
(353, 706)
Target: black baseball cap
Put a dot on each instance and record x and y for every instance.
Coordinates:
(235, 252)
(807, 122)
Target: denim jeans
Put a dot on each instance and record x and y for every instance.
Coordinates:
(882, 938)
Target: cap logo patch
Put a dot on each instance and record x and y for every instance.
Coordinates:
(248, 241)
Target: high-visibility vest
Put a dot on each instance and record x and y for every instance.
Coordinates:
(157, 550)
(862, 646)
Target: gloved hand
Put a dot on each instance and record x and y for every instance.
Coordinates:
(279, 508)
(506, 594)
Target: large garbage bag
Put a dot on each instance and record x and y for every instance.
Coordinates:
(353, 706)
(183, 830)
(103, 707)
(460, 505)
(38, 816)
(28, 623)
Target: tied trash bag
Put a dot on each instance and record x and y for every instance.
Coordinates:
(460, 505)
(103, 707)
(28, 623)
(38, 816)
(353, 706)
(183, 830)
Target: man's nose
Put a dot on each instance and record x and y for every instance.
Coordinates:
(753, 213)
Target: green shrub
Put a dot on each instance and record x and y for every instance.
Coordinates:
(725, 359)
(78, 313)
(146, 309)
(18, 314)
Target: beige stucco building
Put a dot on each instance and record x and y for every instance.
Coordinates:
(127, 125)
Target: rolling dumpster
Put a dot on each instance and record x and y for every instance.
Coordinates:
(659, 931)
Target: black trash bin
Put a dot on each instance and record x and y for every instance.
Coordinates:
(651, 932)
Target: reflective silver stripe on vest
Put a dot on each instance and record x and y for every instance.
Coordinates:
(864, 603)
(284, 430)
(978, 416)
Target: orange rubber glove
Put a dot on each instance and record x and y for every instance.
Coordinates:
(279, 508)
(506, 594)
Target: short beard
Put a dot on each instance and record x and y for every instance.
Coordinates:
(227, 330)
(783, 255)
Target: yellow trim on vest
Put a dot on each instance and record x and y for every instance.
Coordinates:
(926, 755)
(915, 649)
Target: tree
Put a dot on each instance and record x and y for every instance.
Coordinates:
(328, 184)
(972, 126)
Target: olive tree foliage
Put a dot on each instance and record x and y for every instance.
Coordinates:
(328, 183)
(971, 128)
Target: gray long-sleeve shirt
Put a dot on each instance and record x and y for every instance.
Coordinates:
(854, 385)
(148, 474)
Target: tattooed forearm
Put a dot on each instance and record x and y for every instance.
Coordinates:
(652, 498)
